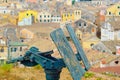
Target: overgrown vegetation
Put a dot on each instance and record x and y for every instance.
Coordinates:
(6, 67)
(89, 75)
(37, 67)
(99, 78)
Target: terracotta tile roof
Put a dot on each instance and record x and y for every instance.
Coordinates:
(115, 69)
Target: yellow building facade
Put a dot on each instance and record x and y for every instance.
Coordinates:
(67, 16)
(14, 20)
(26, 14)
(89, 44)
(78, 34)
(10, 19)
(113, 10)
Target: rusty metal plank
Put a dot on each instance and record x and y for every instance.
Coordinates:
(78, 47)
(67, 53)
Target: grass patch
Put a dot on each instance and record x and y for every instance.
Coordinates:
(89, 75)
(5, 68)
(99, 78)
(37, 67)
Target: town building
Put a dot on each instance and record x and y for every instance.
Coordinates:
(89, 42)
(27, 17)
(77, 14)
(110, 29)
(85, 26)
(44, 17)
(56, 18)
(26, 35)
(16, 49)
(3, 50)
(67, 16)
(113, 10)
(107, 32)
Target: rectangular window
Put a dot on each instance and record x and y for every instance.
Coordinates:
(15, 49)
(118, 7)
(48, 20)
(79, 24)
(20, 48)
(44, 20)
(40, 16)
(84, 24)
(40, 20)
(76, 12)
(11, 49)
(62, 16)
(119, 13)
(67, 15)
(44, 15)
(27, 14)
(2, 49)
(109, 13)
(4, 12)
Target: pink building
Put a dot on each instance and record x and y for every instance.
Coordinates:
(32, 1)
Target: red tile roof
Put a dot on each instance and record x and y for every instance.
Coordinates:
(113, 69)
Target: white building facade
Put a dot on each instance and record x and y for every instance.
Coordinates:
(107, 32)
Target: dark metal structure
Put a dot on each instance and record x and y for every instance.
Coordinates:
(53, 66)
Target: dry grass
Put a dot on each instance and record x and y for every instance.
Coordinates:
(38, 74)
